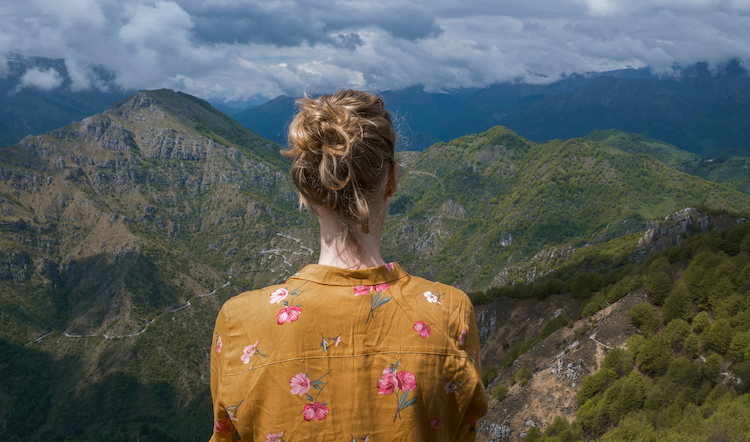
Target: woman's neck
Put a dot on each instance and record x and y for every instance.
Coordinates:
(360, 251)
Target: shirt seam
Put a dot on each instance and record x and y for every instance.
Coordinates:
(460, 356)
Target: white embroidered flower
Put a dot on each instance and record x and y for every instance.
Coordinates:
(433, 298)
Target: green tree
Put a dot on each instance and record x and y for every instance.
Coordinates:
(619, 360)
(659, 288)
(677, 331)
(691, 347)
(677, 305)
(711, 368)
(720, 336)
(701, 321)
(655, 355)
(645, 318)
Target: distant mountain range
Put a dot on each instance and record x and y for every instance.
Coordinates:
(698, 110)
(38, 95)
(707, 113)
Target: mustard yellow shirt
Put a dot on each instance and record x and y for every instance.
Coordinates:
(350, 355)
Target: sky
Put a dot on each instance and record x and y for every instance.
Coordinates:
(233, 49)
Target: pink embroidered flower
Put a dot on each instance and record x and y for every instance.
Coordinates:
(407, 381)
(362, 290)
(315, 411)
(435, 423)
(249, 352)
(451, 387)
(288, 314)
(337, 340)
(279, 295)
(390, 266)
(462, 338)
(388, 382)
(433, 298)
(222, 425)
(274, 437)
(218, 344)
(423, 329)
(300, 384)
(381, 287)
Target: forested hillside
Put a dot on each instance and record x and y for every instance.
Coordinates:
(683, 373)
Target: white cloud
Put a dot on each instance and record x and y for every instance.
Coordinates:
(43, 80)
(234, 49)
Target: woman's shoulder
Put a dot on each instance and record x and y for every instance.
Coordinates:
(435, 292)
(253, 297)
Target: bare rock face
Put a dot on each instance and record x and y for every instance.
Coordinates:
(558, 363)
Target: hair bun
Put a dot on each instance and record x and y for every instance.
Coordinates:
(341, 144)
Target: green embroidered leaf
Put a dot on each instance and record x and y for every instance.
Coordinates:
(285, 303)
(316, 382)
(324, 344)
(410, 402)
(382, 301)
(402, 400)
(375, 301)
(309, 398)
(317, 387)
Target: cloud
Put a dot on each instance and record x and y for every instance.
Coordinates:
(42, 80)
(233, 49)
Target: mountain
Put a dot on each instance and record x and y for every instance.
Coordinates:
(664, 354)
(468, 209)
(699, 111)
(111, 228)
(730, 171)
(425, 118)
(269, 120)
(39, 95)
(122, 234)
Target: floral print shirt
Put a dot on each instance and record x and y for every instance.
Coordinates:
(356, 355)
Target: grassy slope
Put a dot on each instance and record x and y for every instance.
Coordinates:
(474, 194)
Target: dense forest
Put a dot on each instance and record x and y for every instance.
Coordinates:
(686, 375)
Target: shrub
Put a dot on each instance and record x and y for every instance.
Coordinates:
(523, 375)
(499, 392)
(677, 305)
(618, 360)
(489, 373)
(645, 318)
(595, 383)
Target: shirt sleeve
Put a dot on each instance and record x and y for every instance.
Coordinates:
(223, 430)
(477, 406)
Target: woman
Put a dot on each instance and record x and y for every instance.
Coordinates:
(350, 347)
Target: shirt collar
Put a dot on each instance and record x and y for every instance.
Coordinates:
(328, 275)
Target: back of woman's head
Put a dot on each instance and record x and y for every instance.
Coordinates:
(342, 146)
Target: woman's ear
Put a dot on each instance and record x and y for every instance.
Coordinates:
(390, 187)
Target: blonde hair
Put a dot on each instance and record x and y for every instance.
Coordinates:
(342, 146)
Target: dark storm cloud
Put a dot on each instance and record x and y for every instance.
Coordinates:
(295, 23)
